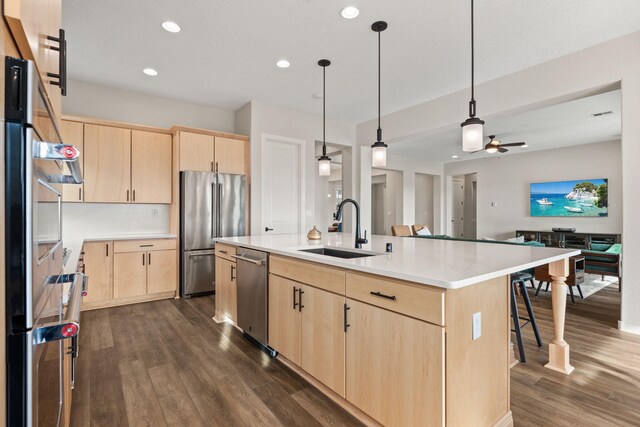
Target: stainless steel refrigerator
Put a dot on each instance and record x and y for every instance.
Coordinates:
(212, 205)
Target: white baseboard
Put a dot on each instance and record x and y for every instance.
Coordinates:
(626, 327)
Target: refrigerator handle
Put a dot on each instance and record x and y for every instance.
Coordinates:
(219, 210)
(214, 231)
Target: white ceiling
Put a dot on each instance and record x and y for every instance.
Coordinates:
(226, 52)
(561, 125)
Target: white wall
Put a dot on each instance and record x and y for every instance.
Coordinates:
(607, 65)
(86, 220)
(272, 120)
(103, 102)
(424, 196)
(505, 180)
(393, 203)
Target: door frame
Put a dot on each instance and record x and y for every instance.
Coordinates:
(263, 168)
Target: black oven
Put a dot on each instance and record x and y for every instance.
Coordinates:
(39, 326)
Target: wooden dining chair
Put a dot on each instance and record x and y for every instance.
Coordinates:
(416, 227)
(401, 230)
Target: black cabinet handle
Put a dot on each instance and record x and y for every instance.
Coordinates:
(149, 258)
(107, 248)
(346, 325)
(300, 306)
(134, 195)
(62, 61)
(295, 303)
(381, 295)
(268, 229)
(80, 193)
(142, 259)
(233, 269)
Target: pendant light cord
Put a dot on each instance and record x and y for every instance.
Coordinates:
(472, 103)
(324, 114)
(379, 102)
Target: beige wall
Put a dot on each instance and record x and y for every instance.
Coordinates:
(607, 65)
(109, 103)
(424, 195)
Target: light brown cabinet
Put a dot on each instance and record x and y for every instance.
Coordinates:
(144, 272)
(395, 366)
(73, 133)
(98, 266)
(306, 325)
(226, 289)
(31, 22)
(150, 167)
(125, 166)
(107, 161)
(206, 153)
(67, 368)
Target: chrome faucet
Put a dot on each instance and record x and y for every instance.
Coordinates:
(338, 216)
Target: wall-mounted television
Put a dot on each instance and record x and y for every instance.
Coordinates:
(579, 198)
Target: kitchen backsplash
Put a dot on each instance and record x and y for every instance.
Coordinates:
(82, 220)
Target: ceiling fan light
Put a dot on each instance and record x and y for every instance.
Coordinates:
(324, 166)
(379, 154)
(492, 149)
(472, 134)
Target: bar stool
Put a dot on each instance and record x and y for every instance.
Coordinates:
(520, 279)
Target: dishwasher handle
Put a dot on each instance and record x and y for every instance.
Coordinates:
(251, 260)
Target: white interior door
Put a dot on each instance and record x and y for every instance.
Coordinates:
(282, 185)
(457, 217)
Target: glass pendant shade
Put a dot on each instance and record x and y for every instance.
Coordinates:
(379, 155)
(472, 135)
(324, 167)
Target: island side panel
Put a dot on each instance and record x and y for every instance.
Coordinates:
(477, 371)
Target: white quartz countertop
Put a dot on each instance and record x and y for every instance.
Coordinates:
(74, 246)
(438, 262)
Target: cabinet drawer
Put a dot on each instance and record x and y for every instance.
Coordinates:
(120, 246)
(225, 251)
(413, 300)
(327, 278)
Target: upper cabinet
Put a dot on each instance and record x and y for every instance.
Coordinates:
(206, 153)
(107, 160)
(150, 167)
(73, 133)
(35, 26)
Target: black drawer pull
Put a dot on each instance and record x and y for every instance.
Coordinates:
(378, 294)
(300, 306)
(346, 325)
(62, 61)
(295, 303)
(146, 246)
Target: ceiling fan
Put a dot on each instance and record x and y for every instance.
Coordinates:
(495, 146)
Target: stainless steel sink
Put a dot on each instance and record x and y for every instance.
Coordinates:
(339, 253)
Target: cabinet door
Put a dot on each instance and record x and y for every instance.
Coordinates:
(196, 152)
(129, 274)
(161, 271)
(107, 163)
(229, 155)
(98, 266)
(226, 289)
(67, 362)
(150, 167)
(284, 317)
(323, 347)
(395, 367)
(73, 133)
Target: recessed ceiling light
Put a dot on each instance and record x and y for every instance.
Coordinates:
(317, 95)
(170, 26)
(349, 12)
(283, 63)
(150, 72)
(454, 157)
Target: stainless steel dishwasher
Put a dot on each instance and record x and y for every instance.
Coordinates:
(252, 277)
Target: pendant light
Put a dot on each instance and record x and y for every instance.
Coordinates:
(472, 128)
(324, 162)
(379, 148)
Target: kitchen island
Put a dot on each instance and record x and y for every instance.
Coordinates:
(417, 336)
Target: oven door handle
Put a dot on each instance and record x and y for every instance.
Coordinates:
(61, 152)
(70, 325)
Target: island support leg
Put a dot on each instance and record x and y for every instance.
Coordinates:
(558, 348)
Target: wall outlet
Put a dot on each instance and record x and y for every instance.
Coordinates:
(494, 204)
(154, 212)
(477, 325)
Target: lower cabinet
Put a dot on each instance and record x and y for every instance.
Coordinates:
(306, 325)
(226, 289)
(141, 273)
(98, 264)
(395, 366)
(67, 368)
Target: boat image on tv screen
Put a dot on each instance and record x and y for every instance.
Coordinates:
(584, 197)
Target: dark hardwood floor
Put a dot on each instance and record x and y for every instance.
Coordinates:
(168, 363)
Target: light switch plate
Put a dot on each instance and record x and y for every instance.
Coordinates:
(477, 325)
